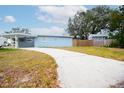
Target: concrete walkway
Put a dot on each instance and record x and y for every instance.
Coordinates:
(82, 70)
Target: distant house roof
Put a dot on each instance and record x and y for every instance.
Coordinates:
(99, 35)
(103, 34)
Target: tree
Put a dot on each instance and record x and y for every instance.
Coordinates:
(101, 15)
(117, 26)
(90, 22)
(20, 30)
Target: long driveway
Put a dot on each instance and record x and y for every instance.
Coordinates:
(82, 70)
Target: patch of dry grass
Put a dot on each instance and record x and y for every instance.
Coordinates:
(113, 53)
(22, 68)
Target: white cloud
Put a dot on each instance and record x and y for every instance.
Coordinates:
(57, 14)
(48, 31)
(9, 19)
(44, 18)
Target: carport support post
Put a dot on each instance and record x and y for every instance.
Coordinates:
(16, 41)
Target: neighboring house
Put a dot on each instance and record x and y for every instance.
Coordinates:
(2, 40)
(25, 39)
(102, 35)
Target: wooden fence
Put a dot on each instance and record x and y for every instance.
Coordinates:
(77, 42)
(106, 42)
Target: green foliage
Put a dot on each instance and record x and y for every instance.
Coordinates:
(7, 49)
(114, 44)
(89, 22)
(117, 26)
(101, 17)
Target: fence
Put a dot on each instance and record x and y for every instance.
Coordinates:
(82, 42)
(106, 42)
(77, 42)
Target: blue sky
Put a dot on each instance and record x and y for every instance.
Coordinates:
(39, 19)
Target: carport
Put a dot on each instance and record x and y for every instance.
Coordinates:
(20, 39)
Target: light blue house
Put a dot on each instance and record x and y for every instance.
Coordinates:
(24, 39)
(52, 41)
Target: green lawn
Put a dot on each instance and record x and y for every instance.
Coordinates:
(113, 53)
(21, 68)
(7, 49)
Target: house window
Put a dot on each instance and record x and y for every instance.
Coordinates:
(21, 39)
(29, 39)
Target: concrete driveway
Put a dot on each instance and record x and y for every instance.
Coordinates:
(81, 70)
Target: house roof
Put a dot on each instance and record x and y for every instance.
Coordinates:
(98, 35)
(11, 35)
(54, 36)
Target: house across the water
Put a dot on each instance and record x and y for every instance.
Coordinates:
(23, 38)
